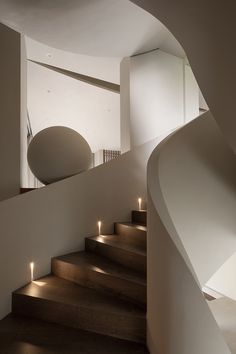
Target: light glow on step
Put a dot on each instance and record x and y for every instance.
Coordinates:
(139, 203)
(39, 283)
(99, 227)
(32, 271)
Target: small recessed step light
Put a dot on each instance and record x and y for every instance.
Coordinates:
(139, 204)
(32, 271)
(99, 227)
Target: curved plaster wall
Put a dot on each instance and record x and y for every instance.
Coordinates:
(191, 186)
(191, 205)
(196, 174)
(192, 228)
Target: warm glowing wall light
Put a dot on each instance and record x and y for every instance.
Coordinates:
(32, 271)
(139, 203)
(99, 227)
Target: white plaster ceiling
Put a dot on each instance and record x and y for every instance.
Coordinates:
(115, 28)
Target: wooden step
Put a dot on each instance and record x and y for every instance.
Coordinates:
(139, 217)
(114, 248)
(133, 234)
(94, 271)
(21, 335)
(60, 301)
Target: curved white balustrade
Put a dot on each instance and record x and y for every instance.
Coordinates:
(192, 231)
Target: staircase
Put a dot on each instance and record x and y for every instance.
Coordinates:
(101, 289)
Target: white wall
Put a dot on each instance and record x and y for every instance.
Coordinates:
(163, 96)
(125, 105)
(156, 95)
(223, 281)
(55, 99)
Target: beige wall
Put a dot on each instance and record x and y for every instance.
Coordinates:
(10, 82)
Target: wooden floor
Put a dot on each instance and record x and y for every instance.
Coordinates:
(19, 335)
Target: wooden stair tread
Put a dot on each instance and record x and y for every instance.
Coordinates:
(26, 335)
(134, 225)
(58, 290)
(101, 264)
(117, 242)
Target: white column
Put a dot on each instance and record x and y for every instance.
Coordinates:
(10, 111)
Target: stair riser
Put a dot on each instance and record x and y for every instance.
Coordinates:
(112, 324)
(139, 217)
(120, 256)
(100, 281)
(132, 235)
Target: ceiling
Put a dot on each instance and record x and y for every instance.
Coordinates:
(111, 28)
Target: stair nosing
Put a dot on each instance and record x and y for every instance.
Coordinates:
(143, 316)
(136, 281)
(134, 250)
(133, 225)
(19, 292)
